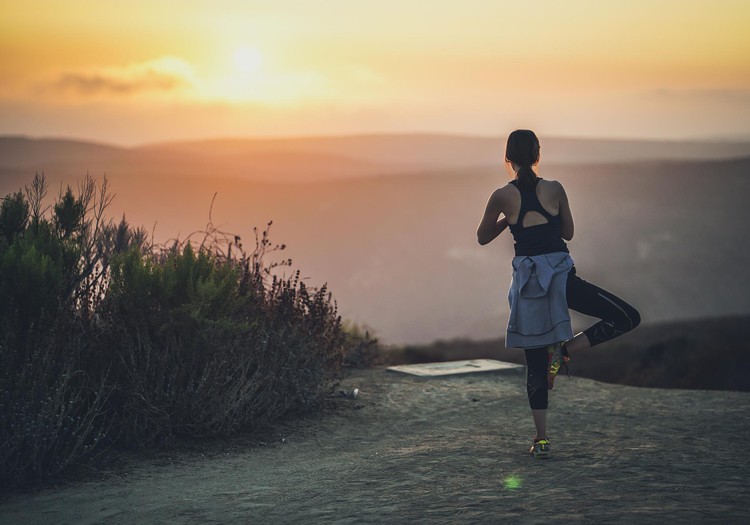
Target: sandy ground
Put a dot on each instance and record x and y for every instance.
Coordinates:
(449, 450)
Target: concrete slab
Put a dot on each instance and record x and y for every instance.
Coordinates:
(449, 368)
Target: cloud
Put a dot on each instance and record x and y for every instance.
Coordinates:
(165, 74)
(172, 79)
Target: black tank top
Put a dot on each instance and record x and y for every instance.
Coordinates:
(539, 239)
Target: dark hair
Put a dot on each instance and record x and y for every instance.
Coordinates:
(522, 149)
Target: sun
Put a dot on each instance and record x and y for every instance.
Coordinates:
(247, 60)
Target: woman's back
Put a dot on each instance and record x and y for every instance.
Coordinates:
(547, 195)
(535, 217)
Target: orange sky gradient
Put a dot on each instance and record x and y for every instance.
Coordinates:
(143, 71)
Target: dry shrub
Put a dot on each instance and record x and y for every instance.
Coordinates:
(208, 345)
(109, 340)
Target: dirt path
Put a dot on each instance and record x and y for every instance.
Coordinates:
(449, 450)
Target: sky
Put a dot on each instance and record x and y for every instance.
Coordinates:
(143, 71)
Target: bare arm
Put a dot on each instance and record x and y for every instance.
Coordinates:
(566, 217)
(490, 226)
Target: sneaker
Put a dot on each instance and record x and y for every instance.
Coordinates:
(557, 357)
(540, 448)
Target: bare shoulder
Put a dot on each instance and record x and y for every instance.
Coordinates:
(504, 193)
(554, 187)
(556, 184)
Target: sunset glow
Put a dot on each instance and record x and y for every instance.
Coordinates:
(163, 69)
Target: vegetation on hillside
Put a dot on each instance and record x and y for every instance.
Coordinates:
(107, 340)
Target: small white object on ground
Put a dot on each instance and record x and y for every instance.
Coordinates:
(455, 367)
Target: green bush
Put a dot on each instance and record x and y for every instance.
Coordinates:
(110, 341)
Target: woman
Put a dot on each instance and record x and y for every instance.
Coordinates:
(545, 283)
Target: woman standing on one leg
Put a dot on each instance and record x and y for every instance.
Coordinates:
(545, 283)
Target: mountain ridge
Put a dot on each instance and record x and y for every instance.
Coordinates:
(400, 150)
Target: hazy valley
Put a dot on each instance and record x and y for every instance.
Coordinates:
(389, 221)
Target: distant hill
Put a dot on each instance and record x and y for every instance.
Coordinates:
(20, 156)
(24, 152)
(335, 157)
(456, 150)
(709, 354)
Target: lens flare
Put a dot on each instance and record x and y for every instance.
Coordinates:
(512, 482)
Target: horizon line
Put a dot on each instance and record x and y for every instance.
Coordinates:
(733, 138)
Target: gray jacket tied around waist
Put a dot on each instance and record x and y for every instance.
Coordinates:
(538, 305)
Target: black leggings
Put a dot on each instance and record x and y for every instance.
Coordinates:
(617, 317)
